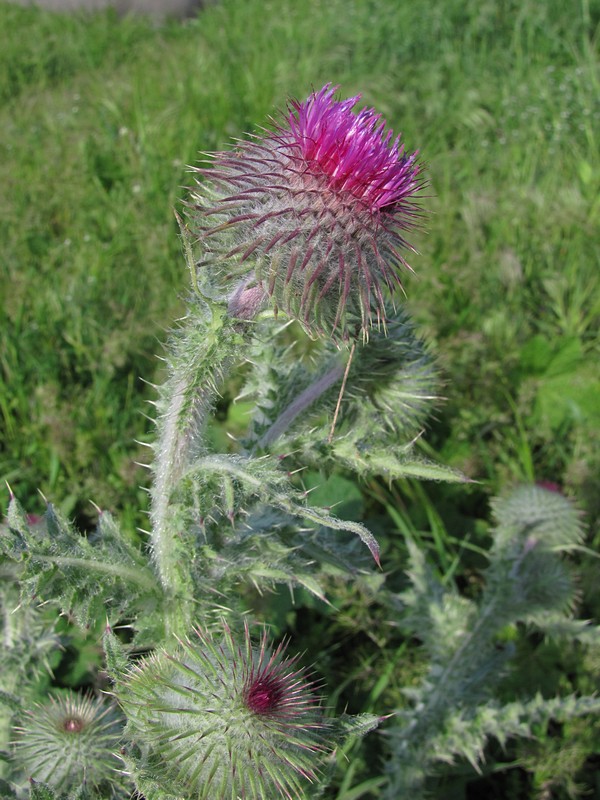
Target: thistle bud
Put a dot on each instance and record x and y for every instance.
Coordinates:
(311, 215)
(219, 719)
(70, 742)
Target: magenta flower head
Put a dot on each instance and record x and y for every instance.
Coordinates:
(312, 215)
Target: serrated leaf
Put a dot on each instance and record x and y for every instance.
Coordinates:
(77, 572)
(313, 586)
(563, 628)
(358, 724)
(268, 546)
(393, 463)
(232, 482)
(466, 736)
(322, 517)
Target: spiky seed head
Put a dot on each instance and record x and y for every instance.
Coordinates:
(312, 214)
(222, 718)
(70, 742)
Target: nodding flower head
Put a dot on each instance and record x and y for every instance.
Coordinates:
(221, 717)
(312, 215)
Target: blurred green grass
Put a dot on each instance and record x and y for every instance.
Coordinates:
(99, 118)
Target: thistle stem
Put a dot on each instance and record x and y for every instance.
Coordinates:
(173, 449)
(341, 394)
(201, 356)
(301, 403)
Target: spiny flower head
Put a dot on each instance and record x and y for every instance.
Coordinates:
(221, 718)
(70, 743)
(311, 214)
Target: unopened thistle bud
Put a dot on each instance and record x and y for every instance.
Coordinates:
(219, 719)
(70, 743)
(312, 215)
(393, 384)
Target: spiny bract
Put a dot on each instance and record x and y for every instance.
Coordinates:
(70, 743)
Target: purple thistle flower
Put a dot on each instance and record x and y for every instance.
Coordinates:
(312, 214)
(274, 687)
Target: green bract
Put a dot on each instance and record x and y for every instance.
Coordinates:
(219, 717)
(71, 743)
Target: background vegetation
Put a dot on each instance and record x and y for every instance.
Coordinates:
(99, 118)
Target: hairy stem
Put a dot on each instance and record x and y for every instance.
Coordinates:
(201, 355)
(128, 574)
(8, 681)
(180, 425)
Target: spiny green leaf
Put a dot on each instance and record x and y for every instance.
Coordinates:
(322, 517)
(267, 547)
(232, 482)
(117, 662)
(392, 463)
(357, 725)
(77, 572)
(465, 735)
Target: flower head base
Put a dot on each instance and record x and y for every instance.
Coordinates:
(311, 215)
(221, 718)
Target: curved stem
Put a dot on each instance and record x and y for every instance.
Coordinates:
(179, 422)
(301, 403)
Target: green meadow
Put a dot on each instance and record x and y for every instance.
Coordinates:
(100, 118)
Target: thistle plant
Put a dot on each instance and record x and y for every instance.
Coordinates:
(295, 244)
(455, 710)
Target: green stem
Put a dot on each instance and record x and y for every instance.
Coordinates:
(202, 354)
(8, 683)
(126, 573)
(179, 422)
(304, 400)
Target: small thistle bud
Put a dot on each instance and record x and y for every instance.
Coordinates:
(538, 512)
(218, 719)
(393, 383)
(70, 743)
(312, 214)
